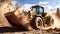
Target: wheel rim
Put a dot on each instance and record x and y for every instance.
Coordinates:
(39, 22)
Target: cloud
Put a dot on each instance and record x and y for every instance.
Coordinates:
(44, 2)
(54, 9)
(58, 6)
(47, 8)
(26, 7)
(13, 2)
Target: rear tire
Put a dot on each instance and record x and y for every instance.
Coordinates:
(49, 21)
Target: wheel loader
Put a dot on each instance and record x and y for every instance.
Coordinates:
(36, 16)
(39, 18)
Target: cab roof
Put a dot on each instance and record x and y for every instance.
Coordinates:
(36, 6)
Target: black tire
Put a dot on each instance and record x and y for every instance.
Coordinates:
(49, 21)
(35, 22)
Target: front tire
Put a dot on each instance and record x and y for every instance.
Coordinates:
(37, 23)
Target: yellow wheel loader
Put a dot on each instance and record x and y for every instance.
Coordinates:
(38, 17)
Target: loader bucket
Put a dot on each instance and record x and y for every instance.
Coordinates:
(14, 21)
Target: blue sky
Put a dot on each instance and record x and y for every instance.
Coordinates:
(47, 4)
(51, 2)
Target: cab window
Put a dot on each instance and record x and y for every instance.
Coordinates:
(33, 9)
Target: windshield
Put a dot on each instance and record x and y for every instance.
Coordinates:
(39, 10)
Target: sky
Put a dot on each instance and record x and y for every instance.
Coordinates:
(47, 4)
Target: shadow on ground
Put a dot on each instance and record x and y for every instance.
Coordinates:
(9, 29)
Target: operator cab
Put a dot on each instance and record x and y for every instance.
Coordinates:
(38, 9)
